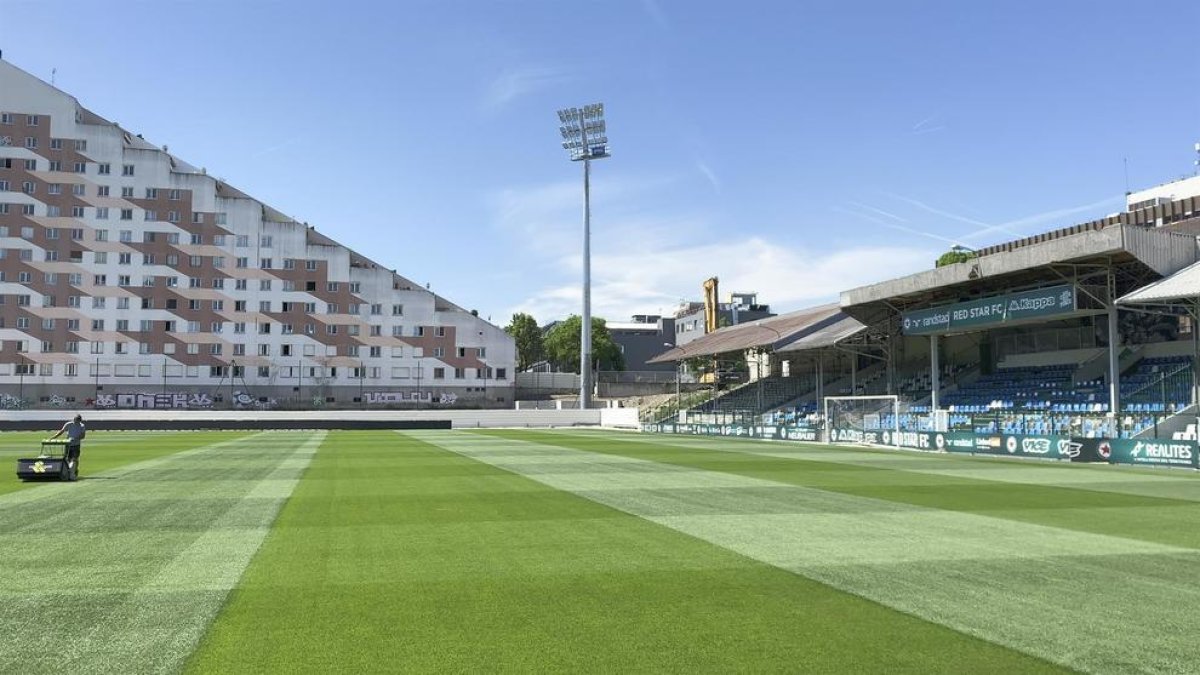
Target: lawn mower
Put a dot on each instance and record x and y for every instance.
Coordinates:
(52, 464)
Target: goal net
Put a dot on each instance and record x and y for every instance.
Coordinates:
(862, 419)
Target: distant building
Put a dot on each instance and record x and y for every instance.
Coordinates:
(741, 308)
(646, 336)
(131, 278)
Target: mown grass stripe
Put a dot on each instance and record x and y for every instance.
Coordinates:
(124, 575)
(1015, 583)
(396, 555)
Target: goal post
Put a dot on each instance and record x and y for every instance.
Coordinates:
(861, 419)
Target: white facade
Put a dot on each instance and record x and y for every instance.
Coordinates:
(127, 269)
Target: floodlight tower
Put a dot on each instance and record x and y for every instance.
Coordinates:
(585, 139)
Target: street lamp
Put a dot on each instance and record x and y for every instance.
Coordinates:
(585, 138)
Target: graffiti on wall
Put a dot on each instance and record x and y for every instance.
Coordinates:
(394, 397)
(149, 401)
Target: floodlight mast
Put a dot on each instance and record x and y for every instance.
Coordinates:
(585, 138)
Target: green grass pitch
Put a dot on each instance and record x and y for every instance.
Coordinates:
(572, 550)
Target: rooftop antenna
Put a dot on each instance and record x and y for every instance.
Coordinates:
(1126, 161)
(53, 74)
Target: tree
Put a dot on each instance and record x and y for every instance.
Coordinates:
(562, 346)
(524, 330)
(955, 255)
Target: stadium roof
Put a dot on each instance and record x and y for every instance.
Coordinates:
(786, 331)
(840, 327)
(1142, 253)
(1183, 285)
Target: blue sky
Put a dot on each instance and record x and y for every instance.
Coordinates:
(791, 148)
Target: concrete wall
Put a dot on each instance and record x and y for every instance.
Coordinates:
(460, 419)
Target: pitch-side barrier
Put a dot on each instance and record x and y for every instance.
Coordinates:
(1157, 452)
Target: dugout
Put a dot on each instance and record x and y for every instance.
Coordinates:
(1070, 277)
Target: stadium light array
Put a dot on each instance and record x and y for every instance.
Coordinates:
(585, 137)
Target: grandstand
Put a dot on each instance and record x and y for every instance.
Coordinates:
(1044, 335)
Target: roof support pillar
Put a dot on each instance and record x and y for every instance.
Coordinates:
(935, 384)
(1114, 349)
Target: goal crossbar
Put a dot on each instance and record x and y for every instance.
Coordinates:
(858, 411)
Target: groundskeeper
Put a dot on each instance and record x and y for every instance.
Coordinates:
(75, 431)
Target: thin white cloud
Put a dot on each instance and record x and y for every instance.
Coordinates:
(710, 175)
(928, 125)
(895, 226)
(649, 280)
(513, 83)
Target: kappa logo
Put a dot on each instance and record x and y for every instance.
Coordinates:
(1104, 449)
(1011, 444)
(887, 438)
(940, 441)
(38, 467)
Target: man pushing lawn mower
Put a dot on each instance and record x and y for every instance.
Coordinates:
(75, 431)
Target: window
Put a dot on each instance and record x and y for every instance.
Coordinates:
(242, 241)
(122, 325)
(127, 192)
(440, 332)
(197, 239)
(100, 280)
(195, 260)
(151, 193)
(124, 258)
(310, 265)
(31, 142)
(264, 284)
(193, 348)
(239, 305)
(174, 195)
(218, 282)
(239, 327)
(376, 352)
(376, 310)
(127, 170)
(460, 373)
(438, 352)
(243, 263)
(123, 303)
(28, 187)
(55, 165)
(147, 258)
(331, 286)
(462, 352)
(264, 305)
(104, 169)
(54, 189)
(76, 211)
(289, 263)
(172, 216)
(195, 282)
(197, 217)
(218, 240)
(397, 331)
(239, 284)
(31, 165)
(264, 263)
(31, 120)
(80, 167)
(149, 215)
(418, 331)
(126, 214)
(439, 373)
(376, 331)
(239, 349)
(265, 241)
(101, 235)
(397, 310)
